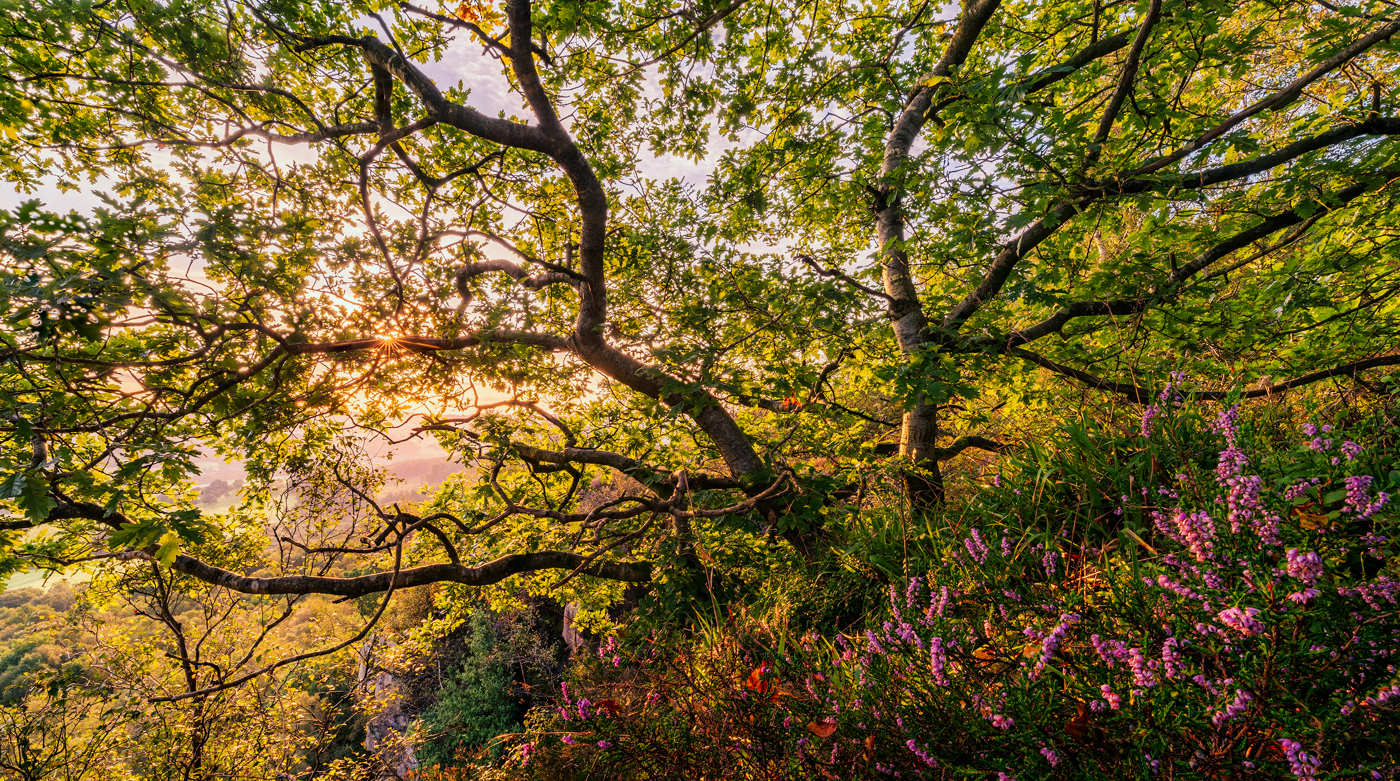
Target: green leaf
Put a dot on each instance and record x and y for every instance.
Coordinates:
(169, 548)
(31, 494)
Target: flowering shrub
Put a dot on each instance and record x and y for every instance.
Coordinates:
(1239, 618)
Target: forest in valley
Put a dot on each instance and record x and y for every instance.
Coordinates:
(699, 389)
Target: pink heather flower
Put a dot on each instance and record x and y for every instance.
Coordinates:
(937, 604)
(1171, 660)
(1304, 767)
(1299, 488)
(1142, 668)
(1197, 531)
(911, 591)
(921, 753)
(1382, 588)
(1242, 498)
(1115, 701)
(1049, 561)
(1268, 530)
(875, 646)
(1351, 450)
(1383, 696)
(568, 739)
(1175, 587)
(937, 661)
(603, 744)
(1358, 500)
(1304, 597)
(1227, 423)
(1002, 722)
(1050, 756)
(1373, 542)
(1149, 414)
(975, 547)
(1110, 651)
(1052, 642)
(1234, 709)
(1169, 395)
(1306, 567)
(1242, 620)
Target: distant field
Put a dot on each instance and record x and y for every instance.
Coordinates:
(35, 579)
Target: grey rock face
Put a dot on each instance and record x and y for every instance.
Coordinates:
(387, 733)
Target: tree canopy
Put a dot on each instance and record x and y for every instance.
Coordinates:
(326, 224)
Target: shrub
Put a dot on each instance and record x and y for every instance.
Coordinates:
(478, 703)
(1215, 599)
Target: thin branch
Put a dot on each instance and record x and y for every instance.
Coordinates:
(1277, 100)
(1145, 395)
(1126, 80)
(838, 274)
(1179, 276)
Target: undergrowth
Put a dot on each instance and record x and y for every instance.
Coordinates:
(1211, 595)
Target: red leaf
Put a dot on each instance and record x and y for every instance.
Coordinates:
(756, 683)
(822, 729)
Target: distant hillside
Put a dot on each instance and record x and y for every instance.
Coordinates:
(414, 479)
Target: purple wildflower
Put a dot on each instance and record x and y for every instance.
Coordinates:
(1304, 767)
(1142, 668)
(1232, 711)
(1114, 700)
(1242, 620)
(1306, 567)
(937, 661)
(1197, 531)
(976, 547)
(1052, 641)
(1358, 500)
(921, 753)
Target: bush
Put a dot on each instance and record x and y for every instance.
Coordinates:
(1199, 599)
(479, 702)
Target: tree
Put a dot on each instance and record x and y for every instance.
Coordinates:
(1149, 182)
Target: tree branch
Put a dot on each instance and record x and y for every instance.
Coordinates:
(1277, 100)
(963, 443)
(1179, 276)
(838, 274)
(1145, 395)
(1126, 81)
(1091, 53)
(1011, 254)
(534, 282)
